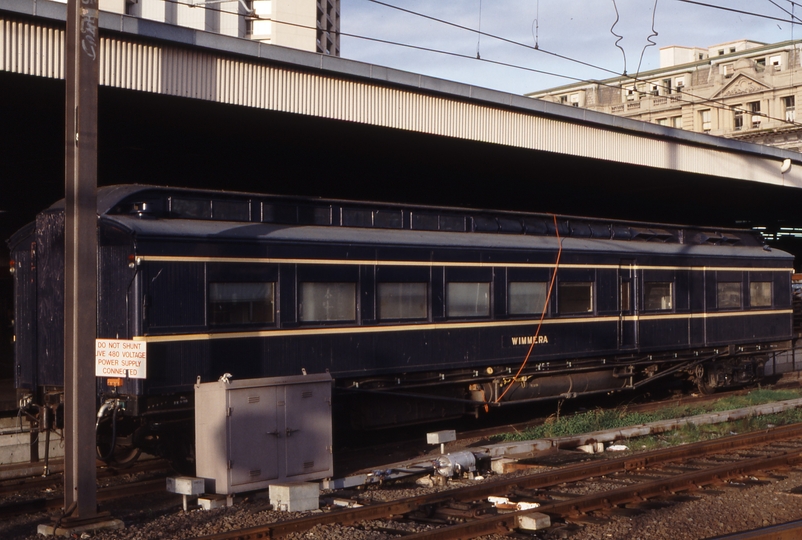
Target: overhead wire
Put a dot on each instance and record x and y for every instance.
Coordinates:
(648, 38)
(786, 11)
(739, 11)
(701, 100)
(617, 41)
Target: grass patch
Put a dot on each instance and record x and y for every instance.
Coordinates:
(599, 420)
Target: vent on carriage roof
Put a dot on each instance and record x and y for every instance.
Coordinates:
(717, 239)
(652, 234)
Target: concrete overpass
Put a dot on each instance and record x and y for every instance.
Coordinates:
(156, 75)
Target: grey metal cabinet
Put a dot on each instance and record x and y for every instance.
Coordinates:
(253, 432)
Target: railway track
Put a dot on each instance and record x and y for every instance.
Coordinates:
(782, 446)
(439, 509)
(155, 483)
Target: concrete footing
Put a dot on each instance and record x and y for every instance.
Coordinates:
(533, 522)
(295, 496)
(68, 527)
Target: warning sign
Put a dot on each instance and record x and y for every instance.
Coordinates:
(121, 358)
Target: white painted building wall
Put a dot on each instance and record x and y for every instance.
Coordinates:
(289, 23)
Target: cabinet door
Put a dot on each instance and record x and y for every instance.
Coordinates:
(253, 435)
(308, 421)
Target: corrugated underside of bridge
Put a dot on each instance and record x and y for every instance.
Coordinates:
(129, 61)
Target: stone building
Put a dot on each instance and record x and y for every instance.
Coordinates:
(741, 90)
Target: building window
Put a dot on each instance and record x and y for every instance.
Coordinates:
(667, 87)
(629, 93)
(575, 297)
(728, 294)
(721, 52)
(738, 118)
(754, 107)
(526, 298)
(679, 83)
(402, 301)
(776, 62)
(574, 100)
(241, 303)
(676, 122)
(705, 119)
(662, 121)
(789, 103)
(564, 100)
(760, 294)
(467, 299)
(760, 64)
(732, 49)
(321, 302)
(657, 295)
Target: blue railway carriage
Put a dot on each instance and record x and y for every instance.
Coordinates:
(418, 313)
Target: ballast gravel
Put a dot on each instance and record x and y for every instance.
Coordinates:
(725, 509)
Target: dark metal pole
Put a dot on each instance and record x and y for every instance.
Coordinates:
(80, 261)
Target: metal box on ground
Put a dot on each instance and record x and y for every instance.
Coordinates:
(252, 433)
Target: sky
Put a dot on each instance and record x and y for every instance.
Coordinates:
(577, 29)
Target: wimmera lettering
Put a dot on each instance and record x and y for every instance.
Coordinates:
(528, 340)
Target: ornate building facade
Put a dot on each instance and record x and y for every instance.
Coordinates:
(741, 90)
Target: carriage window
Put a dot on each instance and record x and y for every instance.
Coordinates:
(728, 294)
(575, 297)
(191, 208)
(657, 295)
(525, 297)
(319, 302)
(760, 293)
(402, 301)
(241, 303)
(231, 210)
(468, 299)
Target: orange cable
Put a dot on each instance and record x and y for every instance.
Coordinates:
(543, 314)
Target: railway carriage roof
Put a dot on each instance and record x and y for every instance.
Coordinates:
(178, 229)
(149, 212)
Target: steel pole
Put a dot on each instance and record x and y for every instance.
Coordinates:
(80, 258)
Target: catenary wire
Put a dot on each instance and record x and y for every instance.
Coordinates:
(701, 100)
(786, 11)
(649, 43)
(739, 11)
(618, 38)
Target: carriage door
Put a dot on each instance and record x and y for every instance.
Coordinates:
(627, 305)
